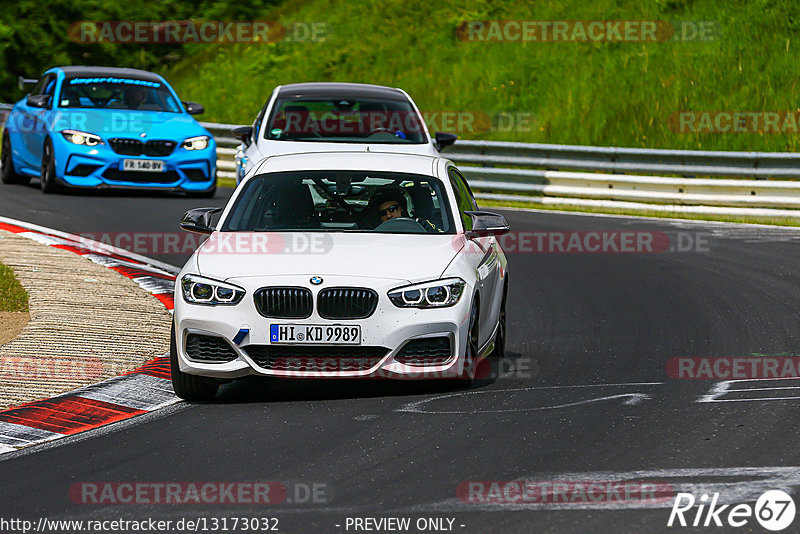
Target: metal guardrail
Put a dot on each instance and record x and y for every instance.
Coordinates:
(531, 171)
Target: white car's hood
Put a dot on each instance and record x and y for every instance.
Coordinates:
(412, 258)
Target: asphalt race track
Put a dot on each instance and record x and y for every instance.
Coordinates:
(583, 394)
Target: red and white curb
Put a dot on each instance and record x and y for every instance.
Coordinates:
(143, 390)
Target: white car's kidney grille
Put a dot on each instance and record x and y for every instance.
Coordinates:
(427, 351)
(346, 303)
(208, 349)
(315, 359)
(284, 302)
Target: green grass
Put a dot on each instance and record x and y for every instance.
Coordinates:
(611, 94)
(13, 297)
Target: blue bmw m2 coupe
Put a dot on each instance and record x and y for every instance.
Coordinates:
(97, 127)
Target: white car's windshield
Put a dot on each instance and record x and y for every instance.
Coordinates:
(360, 120)
(342, 201)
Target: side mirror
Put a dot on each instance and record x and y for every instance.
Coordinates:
(485, 223)
(444, 140)
(199, 220)
(38, 101)
(193, 108)
(244, 134)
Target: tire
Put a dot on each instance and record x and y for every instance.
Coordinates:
(469, 372)
(499, 350)
(186, 386)
(7, 172)
(48, 176)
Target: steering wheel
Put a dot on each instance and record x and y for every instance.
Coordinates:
(401, 225)
(379, 130)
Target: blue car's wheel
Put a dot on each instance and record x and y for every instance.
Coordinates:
(48, 176)
(7, 172)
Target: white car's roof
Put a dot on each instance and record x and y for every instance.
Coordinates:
(368, 161)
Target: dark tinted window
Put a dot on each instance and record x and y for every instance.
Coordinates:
(464, 197)
(109, 92)
(341, 201)
(345, 121)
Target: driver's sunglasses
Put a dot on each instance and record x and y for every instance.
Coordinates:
(391, 209)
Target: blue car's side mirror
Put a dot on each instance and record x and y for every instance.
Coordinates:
(193, 108)
(38, 101)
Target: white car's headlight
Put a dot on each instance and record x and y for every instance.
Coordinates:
(434, 294)
(200, 290)
(82, 138)
(196, 143)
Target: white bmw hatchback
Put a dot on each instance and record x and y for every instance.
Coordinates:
(341, 265)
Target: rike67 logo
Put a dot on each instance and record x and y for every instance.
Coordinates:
(774, 510)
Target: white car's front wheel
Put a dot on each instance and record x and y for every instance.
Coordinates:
(470, 367)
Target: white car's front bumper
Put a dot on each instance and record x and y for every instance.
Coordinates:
(386, 331)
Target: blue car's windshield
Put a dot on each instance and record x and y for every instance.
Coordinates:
(117, 93)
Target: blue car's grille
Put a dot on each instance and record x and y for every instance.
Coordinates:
(135, 147)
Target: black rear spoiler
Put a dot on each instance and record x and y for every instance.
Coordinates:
(22, 82)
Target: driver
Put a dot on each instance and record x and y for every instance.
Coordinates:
(134, 96)
(389, 203)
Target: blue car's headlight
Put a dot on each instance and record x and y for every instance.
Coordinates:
(200, 290)
(196, 143)
(82, 138)
(434, 294)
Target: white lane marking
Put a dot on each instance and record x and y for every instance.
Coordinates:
(632, 399)
(155, 285)
(734, 484)
(727, 388)
(90, 244)
(108, 261)
(14, 435)
(142, 392)
(5, 448)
